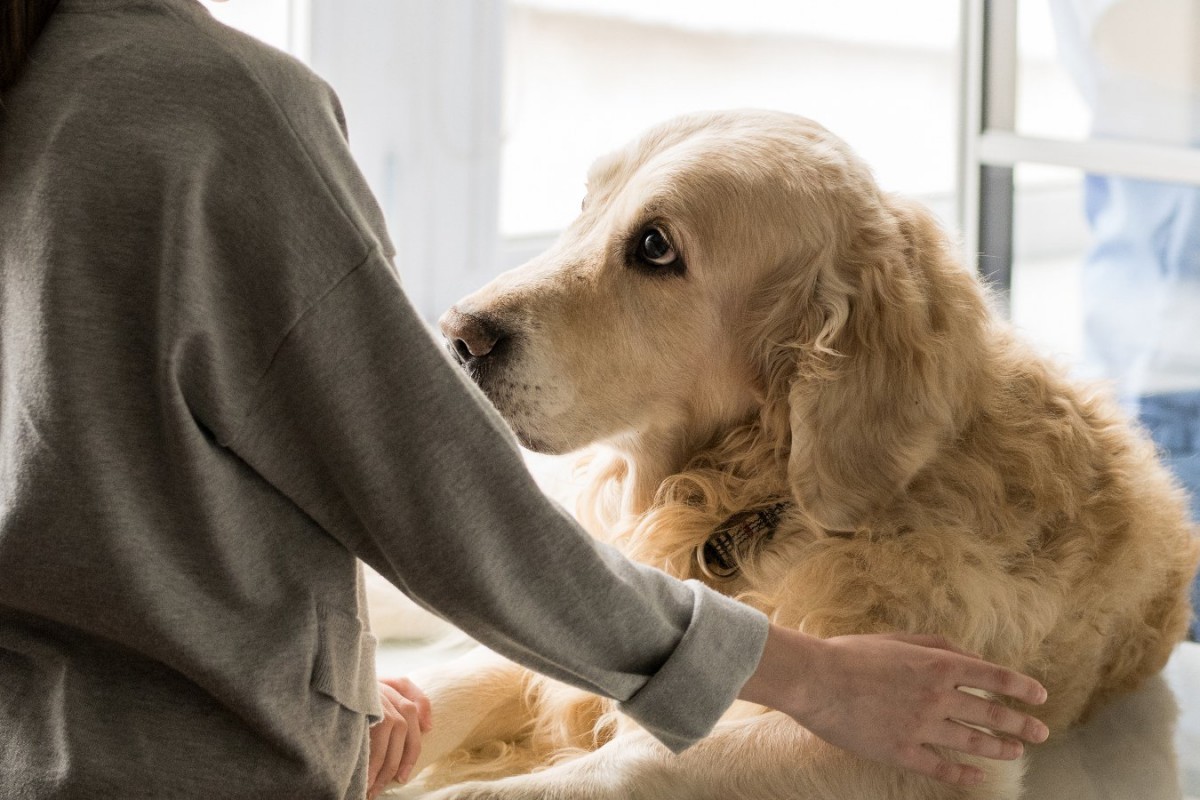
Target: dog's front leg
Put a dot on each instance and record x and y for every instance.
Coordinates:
(767, 757)
(614, 772)
(474, 699)
(633, 766)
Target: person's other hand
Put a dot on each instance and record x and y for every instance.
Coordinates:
(890, 697)
(396, 739)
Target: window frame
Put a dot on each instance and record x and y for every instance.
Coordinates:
(990, 148)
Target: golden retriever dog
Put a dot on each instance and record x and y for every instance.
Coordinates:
(747, 325)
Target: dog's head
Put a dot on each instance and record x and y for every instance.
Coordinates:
(727, 266)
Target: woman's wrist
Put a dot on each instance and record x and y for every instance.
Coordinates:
(786, 671)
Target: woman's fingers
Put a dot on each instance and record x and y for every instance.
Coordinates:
(409, 690)
(925, 761)
(391, 763)
(387, 744)
(1000, 680)
(412, 744)
(395, 740)
(960, 737)
(954, 735)
(991, 715)
(982, 675)
(381, 734)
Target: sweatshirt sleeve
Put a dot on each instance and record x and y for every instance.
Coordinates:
(365, 424)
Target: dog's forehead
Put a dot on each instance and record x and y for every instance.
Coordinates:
(733, 147)
(672, 144)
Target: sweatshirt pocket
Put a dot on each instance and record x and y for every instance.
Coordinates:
(344, 669)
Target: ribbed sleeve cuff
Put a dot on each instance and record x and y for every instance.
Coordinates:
(719, 651)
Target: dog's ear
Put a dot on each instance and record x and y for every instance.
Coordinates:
(883, 366)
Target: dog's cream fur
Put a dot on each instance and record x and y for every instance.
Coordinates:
(825, 347)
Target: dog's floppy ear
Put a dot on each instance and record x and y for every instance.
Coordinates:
(883, 366)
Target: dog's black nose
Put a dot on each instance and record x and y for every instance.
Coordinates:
(470, 336)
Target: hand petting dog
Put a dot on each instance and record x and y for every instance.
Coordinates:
(894, 697)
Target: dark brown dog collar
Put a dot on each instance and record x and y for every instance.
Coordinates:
(721, 554)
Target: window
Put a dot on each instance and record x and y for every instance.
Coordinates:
(584, 76)
(279, 23)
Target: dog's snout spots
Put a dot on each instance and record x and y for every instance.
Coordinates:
(471, 337)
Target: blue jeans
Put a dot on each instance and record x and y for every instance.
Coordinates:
(1174, 423)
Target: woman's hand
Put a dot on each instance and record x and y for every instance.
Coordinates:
(889, 697)
(396, 739)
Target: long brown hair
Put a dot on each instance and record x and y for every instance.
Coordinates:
(20, 23)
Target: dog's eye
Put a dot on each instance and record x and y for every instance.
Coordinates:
(654, 248)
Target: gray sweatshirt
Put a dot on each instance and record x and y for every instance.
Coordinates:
(214, 399)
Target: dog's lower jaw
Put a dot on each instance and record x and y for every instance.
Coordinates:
(649, 460)
(651, 456)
